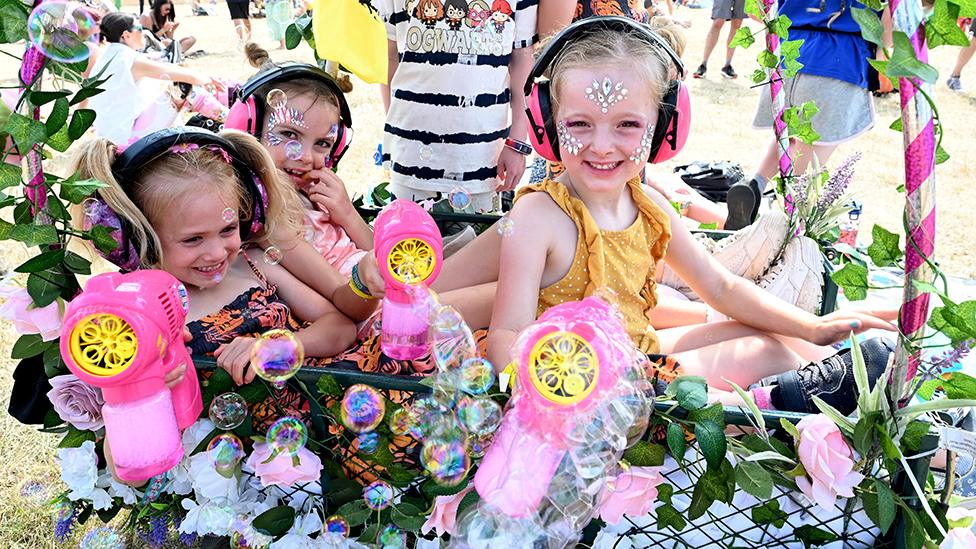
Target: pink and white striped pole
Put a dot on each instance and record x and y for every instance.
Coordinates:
(919, 137)
(778, 102)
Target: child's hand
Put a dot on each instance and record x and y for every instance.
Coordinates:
(175, 376)
(369, 274)
(234, 358)
(329, 195)
(511, 165)
(838, 325)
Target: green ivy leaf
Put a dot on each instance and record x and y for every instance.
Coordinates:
(34, 235)
(870, 24)
(275, 521)
(41, 262)
(958, 385)
(77, 264)
(81, 120)
(812, 536)
(645, 454)
(853, 279)
(957, 321)
(45, 287)
(101, 236)
(75, 437)
(293, 37)
(754, 9)
(60, 140)
(884, 249)
(914, 531)
(767, 59)
(28, 345)
(355, 512)
(676, 441)
(59, 115)
(754, 479)
(798, 122)
(433, 489)
(864, 432)
(790, 52)
(904, 63)
(781, 27)
(13, 21)
(743, 38)
(76, 191)
(26, 132)
(9, 175)
(38, 98)
(896, 125)
(712, 442)
(369, 534)
(769, 513)
(53, 363)
(713, 485)
(940, 154)
(941, 28)
(408, 517)
(669, 517)
(690, 392)
(758, 76)
(328, 386)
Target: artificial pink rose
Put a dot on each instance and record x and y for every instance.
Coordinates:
(828, 461)
(19, 309)
(632, 492)
(444, 516)
(283, 469)
(77, 402)
(959, 538)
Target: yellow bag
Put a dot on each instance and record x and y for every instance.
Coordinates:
(349, 33)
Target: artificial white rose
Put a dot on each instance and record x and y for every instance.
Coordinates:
(209, 518)
(208, 484)
(79, 469)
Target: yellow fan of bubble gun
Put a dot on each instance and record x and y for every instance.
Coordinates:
(409, 251)
(123, 334)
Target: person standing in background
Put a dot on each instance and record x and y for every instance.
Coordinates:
(734, 12)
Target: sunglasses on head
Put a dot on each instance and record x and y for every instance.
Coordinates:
(136, 27)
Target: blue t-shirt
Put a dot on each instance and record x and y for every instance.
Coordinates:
(837, 51)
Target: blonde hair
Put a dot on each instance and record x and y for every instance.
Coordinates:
(671, 32)
(260, 59)
(601, 47)
(141, 202)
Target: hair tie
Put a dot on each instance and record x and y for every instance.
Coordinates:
(260, 206)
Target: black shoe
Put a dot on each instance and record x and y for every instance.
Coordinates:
(742, 201)
(700, 72)
(831, 379)
(729, 72)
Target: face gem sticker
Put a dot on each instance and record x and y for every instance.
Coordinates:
(571, 143)
(640, 153)
(606, 94)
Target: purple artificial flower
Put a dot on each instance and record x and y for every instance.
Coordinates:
(63, 527)
(838, 182)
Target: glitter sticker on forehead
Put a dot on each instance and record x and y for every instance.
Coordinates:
(286, 115)
(571, 143)
(640, 153)
(606, 93)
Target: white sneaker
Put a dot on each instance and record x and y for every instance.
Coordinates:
(798, 276)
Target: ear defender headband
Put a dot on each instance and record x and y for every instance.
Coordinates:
(131, 163)
(248, 111)
(674, 112)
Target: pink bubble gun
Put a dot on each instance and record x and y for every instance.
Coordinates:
(409, 251)
(123, 334)
(568, 363)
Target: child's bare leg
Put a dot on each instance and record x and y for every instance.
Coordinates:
(475, 263)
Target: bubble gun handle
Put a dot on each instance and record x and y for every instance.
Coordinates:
(122, 335)
(409, 251)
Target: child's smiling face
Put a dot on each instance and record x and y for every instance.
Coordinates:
(315, 134)
(200, 236)
(598, 148)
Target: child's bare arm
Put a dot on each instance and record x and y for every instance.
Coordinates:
(522, 263)
(392, 62)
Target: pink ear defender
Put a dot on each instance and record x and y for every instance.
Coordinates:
(247, 112)
(674, 113)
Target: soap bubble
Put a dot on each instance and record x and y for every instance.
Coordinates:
(228, 411)
(391, 537)
(293, 150)
(60, 30)
(276, 99)
(225, 452)
(478, 446)
(62, 511)
(288, 434)
(368, 442)
(336, 524)
(102, 537)
(446, 460)
(400, 421)
(451, 339)
(426, 152)
(459, 199)
(426, 414)
(277, 355)
(362, 408)
(228, 215)
(477, 375)
(479, 416)
(378, 495)
(92, 209)
(34, 492)
(272, 255)
(245, 536)
(505, 226)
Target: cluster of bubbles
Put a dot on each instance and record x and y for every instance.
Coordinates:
(587, 434)
(288, 434)
(62, 30)
(102, 537)
(276, 356)
(459, 199)
(225, 451)
(228, 411)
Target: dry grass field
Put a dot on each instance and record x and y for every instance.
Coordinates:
(723, 111)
